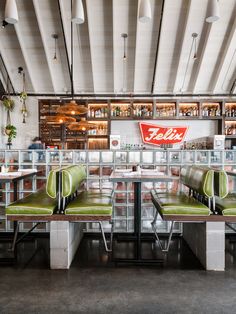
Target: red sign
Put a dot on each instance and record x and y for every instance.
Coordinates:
(157, 135)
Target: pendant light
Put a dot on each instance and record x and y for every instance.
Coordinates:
(77, 12)
(213, 11)
(72, 108)
(82, 125)
(11, 13)
(55, 37)
(145, 12)
(59, 119)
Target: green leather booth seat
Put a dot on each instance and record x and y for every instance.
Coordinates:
(42, 202)
(37, 204)
(92, 202)
(72, 177)
(225, 201)
(227, 205)
(199, 179)
(178, 204)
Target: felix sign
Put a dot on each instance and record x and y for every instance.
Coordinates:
(157, 135)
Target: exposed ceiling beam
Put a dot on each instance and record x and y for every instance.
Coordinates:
(45, 44)
(145, 48)
(64, 32)
(225, 61)
(233, 87)
(157, 49)
(25, 54)
(92, 52)
(130, 96)
(99, 14)
(5, 77)
(65, 28)
(183, 42)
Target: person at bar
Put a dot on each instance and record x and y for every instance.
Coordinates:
(37, 144)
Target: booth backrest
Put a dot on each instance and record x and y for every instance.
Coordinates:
(72, 177)
(199, 179)
(52, 185)
(221, 186)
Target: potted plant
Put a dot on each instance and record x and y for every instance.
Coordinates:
(10, 131)
(9, 105)
(23, 96)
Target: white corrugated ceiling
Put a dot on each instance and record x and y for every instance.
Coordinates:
(152, 66)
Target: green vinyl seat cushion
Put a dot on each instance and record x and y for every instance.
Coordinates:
(178, 204)
(91, 202)
(38, 203)
(227, 205)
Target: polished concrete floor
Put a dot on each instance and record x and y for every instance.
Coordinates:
(94, 285)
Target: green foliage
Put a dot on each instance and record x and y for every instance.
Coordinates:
(10, 130)
(23, 96)
(8, 103)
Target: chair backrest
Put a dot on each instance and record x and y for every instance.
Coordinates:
(198, 179)
(72, 177)
(52, 185)
(221, 185)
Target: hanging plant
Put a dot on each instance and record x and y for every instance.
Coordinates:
(23, 96)
(8, 103)
(10, 131)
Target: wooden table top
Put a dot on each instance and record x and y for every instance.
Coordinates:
(16, 175)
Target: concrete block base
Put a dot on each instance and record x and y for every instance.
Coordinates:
(64, 241)
(207, 241)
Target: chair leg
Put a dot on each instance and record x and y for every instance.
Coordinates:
(170, 237)
(15, 237)
(111, 235)
(157, 237)
(153, 223)
(104, 237)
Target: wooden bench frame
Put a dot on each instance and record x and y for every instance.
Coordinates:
(59, 217)
(188, 219)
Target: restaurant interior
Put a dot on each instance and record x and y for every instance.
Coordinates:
(117, 156)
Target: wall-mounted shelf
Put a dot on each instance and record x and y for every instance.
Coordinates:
(106, 111)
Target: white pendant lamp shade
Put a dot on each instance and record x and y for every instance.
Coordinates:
(145, 12)
(11, 13)
(77, 12)
(214, 11)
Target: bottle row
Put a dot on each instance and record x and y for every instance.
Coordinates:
(102, 129)
(96, 112)
(146, 110)
(230, 129)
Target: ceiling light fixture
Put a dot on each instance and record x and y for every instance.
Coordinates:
(4, 24)
(55, 37)
(213, 11)
(145, 12)
(194, 39)
(82, 125)
(59, 119)
(194, 35)
(11, 13)
(72, 108)
(124, 36)
(77, 12)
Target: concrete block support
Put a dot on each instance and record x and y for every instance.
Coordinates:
(207, 241)
(64, 241)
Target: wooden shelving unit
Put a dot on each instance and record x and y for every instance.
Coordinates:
(104, 112)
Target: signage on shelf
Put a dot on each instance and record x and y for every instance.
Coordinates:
(158, 135)
(114, 141)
